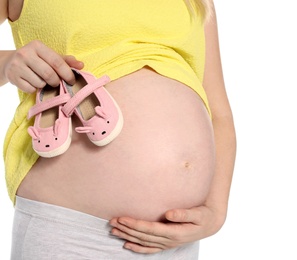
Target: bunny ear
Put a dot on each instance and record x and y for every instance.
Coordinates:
(33, 132)
(100, 112)
(83, 129)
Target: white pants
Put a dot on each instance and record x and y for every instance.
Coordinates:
(42, 231)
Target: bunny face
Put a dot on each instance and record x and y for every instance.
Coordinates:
(48, 142)
(100, 128)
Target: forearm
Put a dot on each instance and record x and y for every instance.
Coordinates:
(3, 10)
(4, 56)
(224, 132)
(225, 140)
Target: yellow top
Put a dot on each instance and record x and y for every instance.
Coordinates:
(111, 37)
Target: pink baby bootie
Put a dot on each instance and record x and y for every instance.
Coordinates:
(51, 132)
(98, 112)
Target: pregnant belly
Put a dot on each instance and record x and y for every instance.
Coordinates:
(163, 158)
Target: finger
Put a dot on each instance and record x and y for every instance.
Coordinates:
(153, 234)
(134, 235)
(27, 80)
(141, 249)
(29, 76)
(56, 64)
(44, 71)
(152, 228)
(73, 62)
(25, 86)
(193, 215)
(140, 238)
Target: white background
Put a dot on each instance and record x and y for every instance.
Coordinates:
(258, 47)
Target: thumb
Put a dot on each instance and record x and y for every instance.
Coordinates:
(73, 62)
(192, 215)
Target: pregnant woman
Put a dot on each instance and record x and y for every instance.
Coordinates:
(162, 184)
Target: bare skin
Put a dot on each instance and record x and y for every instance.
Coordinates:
(162, 164)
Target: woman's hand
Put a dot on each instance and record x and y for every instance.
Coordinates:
(35, 65)
(183, 226)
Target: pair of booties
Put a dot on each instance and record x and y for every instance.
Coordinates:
(88, 99)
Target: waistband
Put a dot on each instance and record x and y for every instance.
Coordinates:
(62, 215)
